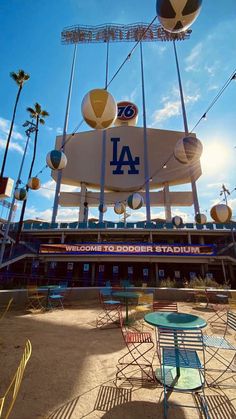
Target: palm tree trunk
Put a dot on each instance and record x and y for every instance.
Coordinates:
(10, 131)
(20, 225)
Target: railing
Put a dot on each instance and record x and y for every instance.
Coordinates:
(120, 225)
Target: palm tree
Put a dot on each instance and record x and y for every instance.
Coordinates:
(20, 78)
(39, 114)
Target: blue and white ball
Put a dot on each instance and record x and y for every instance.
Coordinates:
(119, 208)
(20, 194)
(200, 218)
(102, 208)
(135, 201)
(188, 150)
(56, 160)
(177, 15)
(177, 221)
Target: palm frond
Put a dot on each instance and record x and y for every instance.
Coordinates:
(19, 77)
(41, 121)
(44, 113)
(38, 108)
(30, 110)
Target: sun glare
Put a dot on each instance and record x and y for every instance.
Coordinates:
(215, 156)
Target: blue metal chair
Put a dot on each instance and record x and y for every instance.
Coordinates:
(73, 225)
(182, 360)
(80, 225)
(160, 225)
(109, 316)
(140, 224)
(214, 345)
(169, 226)
(55, 298)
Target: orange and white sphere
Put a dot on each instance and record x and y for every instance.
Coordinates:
(119, 208)
(221, 213)
(34, 183)
(99, 109)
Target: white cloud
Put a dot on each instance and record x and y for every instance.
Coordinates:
(64, 214)
(47, 189)
(59, 130)
(172, 106)
(15, 137)
(192, 59)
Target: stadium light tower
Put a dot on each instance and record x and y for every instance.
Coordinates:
(108, 33)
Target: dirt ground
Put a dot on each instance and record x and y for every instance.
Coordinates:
(71, 373)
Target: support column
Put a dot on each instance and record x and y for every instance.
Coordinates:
(156, 274)
(82, 200)
(167, 202)
(93, 270)
(189, 238)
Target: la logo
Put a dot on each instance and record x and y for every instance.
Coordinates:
(125, 159)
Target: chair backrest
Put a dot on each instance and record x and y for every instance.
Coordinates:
(2, 315)
(11, 393)
(145, 299)
(232, 304)
(63, 284)
(183, 339)
(231, 320)
(164, 305)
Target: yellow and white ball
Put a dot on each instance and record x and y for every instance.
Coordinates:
(99, 109)
(34, 183)
(221, 213)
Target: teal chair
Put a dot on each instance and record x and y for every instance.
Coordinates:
(55, 299)
(120, 225)
(160, 225)
(100, 225)
(81, 225)
(54, 225)
(219, 225)
(149, 224)
(199, 226)
(73, 225)
(140, 224)
(36, 226)
(91, 224)
(110, 224)
(228, 226)
(63, 225)
(27, 226)
(189, 225)
(209, 226)
(169, 226)
(130, 225)
(45, 226)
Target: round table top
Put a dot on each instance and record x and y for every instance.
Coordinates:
(126, 294)
(172, 320)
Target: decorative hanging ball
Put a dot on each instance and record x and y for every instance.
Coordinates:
(56, 160)
(177, 16)
(221, 213)
(177, 221)
(127, 114)
(119, 208)
(20, 194)
(200, 218)
(102, 208)
(99, 109)
(34, 183)
(135, 201)
(188, 150)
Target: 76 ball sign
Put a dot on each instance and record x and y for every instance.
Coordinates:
(127, 113)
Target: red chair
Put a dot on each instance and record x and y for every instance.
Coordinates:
(164, 305)
(138, 345)
(109, 316)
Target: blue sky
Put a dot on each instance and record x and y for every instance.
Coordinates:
(30, 39)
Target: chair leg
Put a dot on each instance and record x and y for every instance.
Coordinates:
(108, 317)
(139, 359)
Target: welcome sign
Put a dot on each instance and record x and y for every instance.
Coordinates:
(148, 249)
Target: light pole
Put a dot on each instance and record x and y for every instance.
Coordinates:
(32, 128)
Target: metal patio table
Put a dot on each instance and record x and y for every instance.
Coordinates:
(187, 378)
